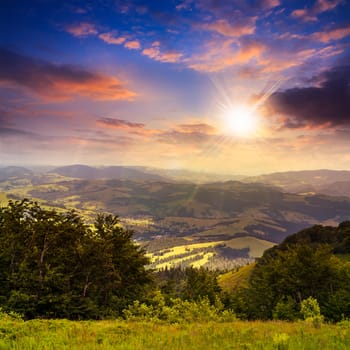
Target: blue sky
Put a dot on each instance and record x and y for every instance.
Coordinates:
(227, 86)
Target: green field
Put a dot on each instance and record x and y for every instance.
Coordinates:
(199, 254)
(63, 334)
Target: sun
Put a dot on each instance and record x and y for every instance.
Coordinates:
(241, 120)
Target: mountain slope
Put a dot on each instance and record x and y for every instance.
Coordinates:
(302, 181)
(209, 212)
(110, 172)
(14, 171)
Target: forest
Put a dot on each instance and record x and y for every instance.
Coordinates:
(55, 265)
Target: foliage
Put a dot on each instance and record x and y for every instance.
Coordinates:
(191, 284)
(9, 316)
(54, 265)
(309, 308)
(286, 309)
(311, 311)
(286, 275)
(178, 311)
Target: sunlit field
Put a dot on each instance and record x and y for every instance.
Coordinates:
(63, 334)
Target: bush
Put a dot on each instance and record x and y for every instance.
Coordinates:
(178, 311)
(311, 311)
(285, 310)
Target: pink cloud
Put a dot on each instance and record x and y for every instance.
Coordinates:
(320, 6)
(331, 35)
(59, 82)
(154, 53)
(109, 38)
(130, 127)
(133, 45)
(220, 55)
(271, 3)
(119, 123)
(304, 15)
(236, 29)
(82, 29)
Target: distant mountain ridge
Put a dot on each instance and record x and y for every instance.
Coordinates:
(304, 180)
(14, 171)
(109, 172)
(209, 210)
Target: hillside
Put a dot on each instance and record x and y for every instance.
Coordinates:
(323, 181)
(14, 172)
(312, 263)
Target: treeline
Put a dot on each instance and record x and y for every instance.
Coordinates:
(54, 265)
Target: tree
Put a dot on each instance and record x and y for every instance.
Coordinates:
(54, 265)
(199, 284)
(295, 273)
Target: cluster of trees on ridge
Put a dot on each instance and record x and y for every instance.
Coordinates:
(55, 265)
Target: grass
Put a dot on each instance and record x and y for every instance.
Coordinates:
(235, 279)
(256, 246)
(3, 198)
(175, 255)
(91, 335)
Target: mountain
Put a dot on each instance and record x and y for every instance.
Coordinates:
(339, 188)
(14, 171)
(190, 223)
(205, 212)
(303, 181)
(141, 173)
(182, 175)
(109, 172)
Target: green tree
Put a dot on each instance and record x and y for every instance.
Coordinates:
(54, 265)
(296, 272)
(201, 283)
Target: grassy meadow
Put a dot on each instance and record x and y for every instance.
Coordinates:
(62, 334)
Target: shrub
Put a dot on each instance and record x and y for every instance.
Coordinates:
(311, 311)
(178, 311)
(285, 310)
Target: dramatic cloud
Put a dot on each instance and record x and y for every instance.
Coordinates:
(82, 29)
(110, 38)
(326, 104)
(320, 6)
(58, 81)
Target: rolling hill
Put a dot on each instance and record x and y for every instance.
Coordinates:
(236, 220)
(111, 172)
(322, 181)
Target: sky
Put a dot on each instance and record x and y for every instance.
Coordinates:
(234, 87)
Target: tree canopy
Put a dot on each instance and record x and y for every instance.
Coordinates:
(302, 266)
(53, 264)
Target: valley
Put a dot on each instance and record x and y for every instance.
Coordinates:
(219, 225)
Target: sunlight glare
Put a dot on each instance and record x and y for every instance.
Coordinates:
(241, 121)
